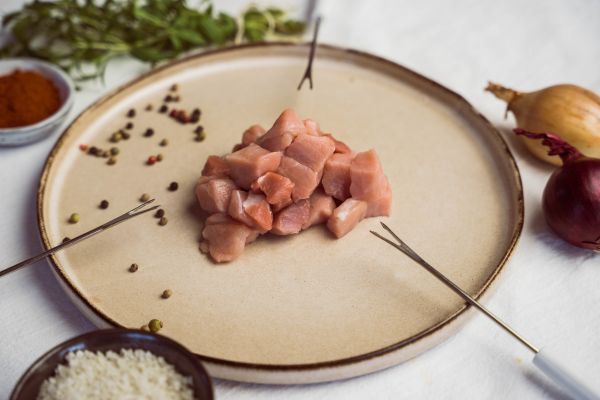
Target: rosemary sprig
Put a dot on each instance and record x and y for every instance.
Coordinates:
(81, 36)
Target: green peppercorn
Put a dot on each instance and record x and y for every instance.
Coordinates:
(163, 221)
(114, 151)
(200, 136)
(166, 293)
(133, 268)
(155, 325)
(164, 142)
(145, 197)
(112, 161)
(116, 137)
(74, 218)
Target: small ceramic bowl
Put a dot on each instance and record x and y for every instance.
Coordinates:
(30, 133)
(182, 359)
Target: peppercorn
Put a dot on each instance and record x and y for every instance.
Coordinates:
(151, 160)
(159, 213)
(145, 197)
(74, 218)
(149, 132)
(104, 204)
(93, 150)
(131, 113)
(105, 154)
(163, 109)
(168, 98)
(166, 293)
(149, 107)
(200, 136)
(176, 98)
(195, 117)
(163, 221)
(114, 151)
(174, 87)
(155, 325)
(83, 147)
(199, 129)
(125, 135)
(112, 161)
(159, 157)
(133, 268)
(66, 239)
(117, 136)
(145, 328)
(173, 186)
(164, 142)
(129, 125)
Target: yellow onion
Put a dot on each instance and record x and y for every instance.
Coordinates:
(571, 110)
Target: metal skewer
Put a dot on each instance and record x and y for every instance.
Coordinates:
(577, 383)
(311, 56)
(123, 217)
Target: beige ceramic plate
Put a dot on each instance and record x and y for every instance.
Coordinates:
(299, 309)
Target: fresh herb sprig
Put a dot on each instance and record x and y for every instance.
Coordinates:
(81, 36)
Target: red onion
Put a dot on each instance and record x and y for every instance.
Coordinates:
(571, 200)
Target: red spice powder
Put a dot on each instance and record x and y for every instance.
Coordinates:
(26, 97)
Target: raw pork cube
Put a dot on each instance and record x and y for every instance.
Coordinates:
(283, 131)
(305, 179)
(215, 166)
(336, 175)
(321, 208)
(368, 183)
(277, 189)
(225, 238)
(346, 217)
(251, 134)
(249, 163)
(252, 209)
(291, 219)
(214, 194)
(312, 127)
(340, 147)
(311, 151)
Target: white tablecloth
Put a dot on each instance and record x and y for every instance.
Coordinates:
(549, 291)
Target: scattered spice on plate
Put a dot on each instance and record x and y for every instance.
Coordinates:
(163, 221)
(114, 151)
(155, 325)
(133, 268)
(145, 197)
(149, 132)
(151, 160)
(200, 136)
(173, 186)
(124, 374)
(163, 109)
(125, 135)
(129, 125)
(148, 107)
(131, 113)
(199, 129)
(83, 147)
(159, 157)
(26, 97)
(105, 154)
(168, 98)
(104, 204)
(112, 161)
(195, 117)
(174, 87)
(166, 293)
(74, 218)
(66, 239)
(159, 213)
(116, 137)
(164, 142)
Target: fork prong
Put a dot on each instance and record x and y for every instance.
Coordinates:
(140, 206)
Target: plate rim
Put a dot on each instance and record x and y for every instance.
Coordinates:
(343, 362)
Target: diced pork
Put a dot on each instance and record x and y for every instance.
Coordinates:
(247, 164)
(215, 166)
(252, 134)
(346, 217)
(370, 184)
(311, 151)
(340, 147)
(291, 219)
(321, 208)
(312, 127)
(277, 189)
(283, 132)
(336, 175)
(225, 238)
(305, 179)
(214, 194)
(251, 209)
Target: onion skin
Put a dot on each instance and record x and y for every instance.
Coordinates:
(571, 110)
(571, 200)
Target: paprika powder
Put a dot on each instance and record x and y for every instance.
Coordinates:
(26, 97)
